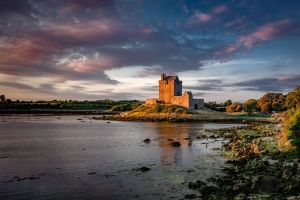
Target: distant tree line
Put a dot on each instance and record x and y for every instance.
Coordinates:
(267, 103)
(106, 104)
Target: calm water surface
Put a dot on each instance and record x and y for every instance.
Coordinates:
(72, 157)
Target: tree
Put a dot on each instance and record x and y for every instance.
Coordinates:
(250, 106)
(292, 118)
(292, 127)
(293, 98)
(235, 107)
(227, 103)
(272, 98)
(276, 106)
(267, 107)
(8, 101)
(2, 98)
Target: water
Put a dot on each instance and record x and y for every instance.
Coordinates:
(72, 157)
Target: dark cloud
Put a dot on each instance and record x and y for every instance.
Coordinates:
(207, 85)
(195, 94)
(17, 85)
(281, 83)
(22, 7)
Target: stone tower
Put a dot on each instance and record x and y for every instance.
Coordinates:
(169, 86)
(170, 91)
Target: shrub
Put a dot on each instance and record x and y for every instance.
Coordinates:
(235, 107)
(293, 129)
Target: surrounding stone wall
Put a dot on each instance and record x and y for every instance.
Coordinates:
(181, 100)
(198, 103)
(151, 101)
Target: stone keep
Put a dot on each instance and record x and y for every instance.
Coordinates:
(170, 91)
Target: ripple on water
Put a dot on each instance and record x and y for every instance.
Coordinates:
(62, 158)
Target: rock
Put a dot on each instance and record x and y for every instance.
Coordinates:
(190, 196)
(240, 196)
(142, 169)
(212, 136)
(175, 144)
(203, 136)
(147, 140)
(196, 185)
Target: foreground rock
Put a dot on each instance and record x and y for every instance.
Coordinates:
(175, 144)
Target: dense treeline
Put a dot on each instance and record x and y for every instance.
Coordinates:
(267, 103)
(105, 104)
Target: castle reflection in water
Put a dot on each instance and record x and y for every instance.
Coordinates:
(168, 132)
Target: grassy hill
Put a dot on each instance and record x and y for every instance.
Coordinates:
(175, 113)
(160, 109)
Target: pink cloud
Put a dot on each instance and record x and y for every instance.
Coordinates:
(219, 9)
(23, 51)
(76, 5)
(95, 64)
(202, 16)
(84, 30)
(145, 30)
(199, 17)
(227, 50)
(235, 22)
(265, 32)
(288, 78)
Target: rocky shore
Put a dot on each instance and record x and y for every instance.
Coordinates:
(259, 170)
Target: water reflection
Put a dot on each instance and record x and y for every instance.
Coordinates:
(168, 133)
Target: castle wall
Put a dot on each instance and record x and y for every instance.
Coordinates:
(151, 101)
(177, 87)
(181, 100)
(165, 91)
(198, 103)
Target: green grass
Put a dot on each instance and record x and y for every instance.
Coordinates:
(161, 109)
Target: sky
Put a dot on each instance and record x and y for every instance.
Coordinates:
(117, 49)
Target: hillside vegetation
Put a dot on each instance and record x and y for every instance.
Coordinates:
(160, 109)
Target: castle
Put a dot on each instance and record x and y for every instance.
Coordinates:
(170, 91)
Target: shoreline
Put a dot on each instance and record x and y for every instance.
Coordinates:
(188, 119)
(55, 112)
